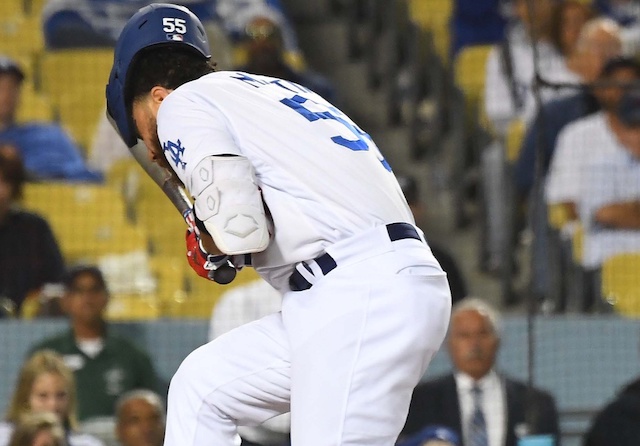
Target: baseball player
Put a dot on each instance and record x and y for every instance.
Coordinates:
(277, 172)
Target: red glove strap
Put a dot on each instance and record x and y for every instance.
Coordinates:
(195, 256)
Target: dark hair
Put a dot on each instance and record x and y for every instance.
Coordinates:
(74, 272)
(10, 66)
(12, 169)
(168, 66)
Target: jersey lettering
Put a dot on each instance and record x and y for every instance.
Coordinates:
(257, 83)
(296, 103)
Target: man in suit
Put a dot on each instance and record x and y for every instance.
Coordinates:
(485, 407)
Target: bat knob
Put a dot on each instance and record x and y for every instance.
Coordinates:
(224, 274)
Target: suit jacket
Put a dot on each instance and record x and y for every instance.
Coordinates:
(436, 402)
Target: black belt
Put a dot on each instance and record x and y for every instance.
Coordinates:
(396, 231)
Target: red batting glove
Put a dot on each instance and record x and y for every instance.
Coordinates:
(197, 259)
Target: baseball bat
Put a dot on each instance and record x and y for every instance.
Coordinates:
(226, 272)
(162, 178)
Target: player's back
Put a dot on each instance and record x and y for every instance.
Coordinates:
(322, 178)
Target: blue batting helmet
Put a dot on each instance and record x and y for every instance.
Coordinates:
(154, 25)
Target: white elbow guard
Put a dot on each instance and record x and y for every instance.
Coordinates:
(229, 203)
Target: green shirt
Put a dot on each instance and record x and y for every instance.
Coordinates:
(119, 367)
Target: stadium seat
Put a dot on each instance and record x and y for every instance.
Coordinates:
(33, 8)
(90, 225)
(434, 16)
(202, 295)
(12, 8)
(34, 106)
(469, 75)
(75, 81)
(577, 244)
(558, 216)
(72, 72)
(148, 206)
(88, 220)
(515, 135)
(621, 283)
(21, 37)
(79, 115)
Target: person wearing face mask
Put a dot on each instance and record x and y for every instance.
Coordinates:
(485, 406)
(45, 384)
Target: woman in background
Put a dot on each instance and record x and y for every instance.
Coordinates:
(45, 384)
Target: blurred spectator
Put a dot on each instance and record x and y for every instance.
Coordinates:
(476, 22)
(97, 23)
(433, 436)
(567, 21)
(29, 255)
(38, 429)
(235, 14)
(510, 69)
(236, 307)
(45, 384)
(449, 265)
(598, 42)
(105, 365)
(140, 418)
(582, 142)
(264, 45)
(609, 199)
(476, 400)
(618, 423)
(627, 14)
(47, 151)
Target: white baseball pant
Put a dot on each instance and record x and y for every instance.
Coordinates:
(343, 356)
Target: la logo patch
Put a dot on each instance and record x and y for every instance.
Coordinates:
(175, 152)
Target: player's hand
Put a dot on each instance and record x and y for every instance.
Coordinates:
(216, 268)
(219, 268)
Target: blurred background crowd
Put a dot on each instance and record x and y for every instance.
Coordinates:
(513, 127)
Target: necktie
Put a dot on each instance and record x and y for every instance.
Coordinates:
(478, 425)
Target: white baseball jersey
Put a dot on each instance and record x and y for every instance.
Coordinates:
(322, 178)
(344, 354)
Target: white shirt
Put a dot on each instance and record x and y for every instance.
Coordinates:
(322, 178)
(493, 405)
(611, 178)
(498, 99)
(579, 145)
(74, 438)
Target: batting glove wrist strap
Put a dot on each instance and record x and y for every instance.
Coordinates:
(216, 268)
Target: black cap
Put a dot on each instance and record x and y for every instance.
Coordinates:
(73, 273)
(8, 65)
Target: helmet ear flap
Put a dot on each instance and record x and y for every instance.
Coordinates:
(154, 25)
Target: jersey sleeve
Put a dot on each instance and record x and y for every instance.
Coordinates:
(190, 129)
